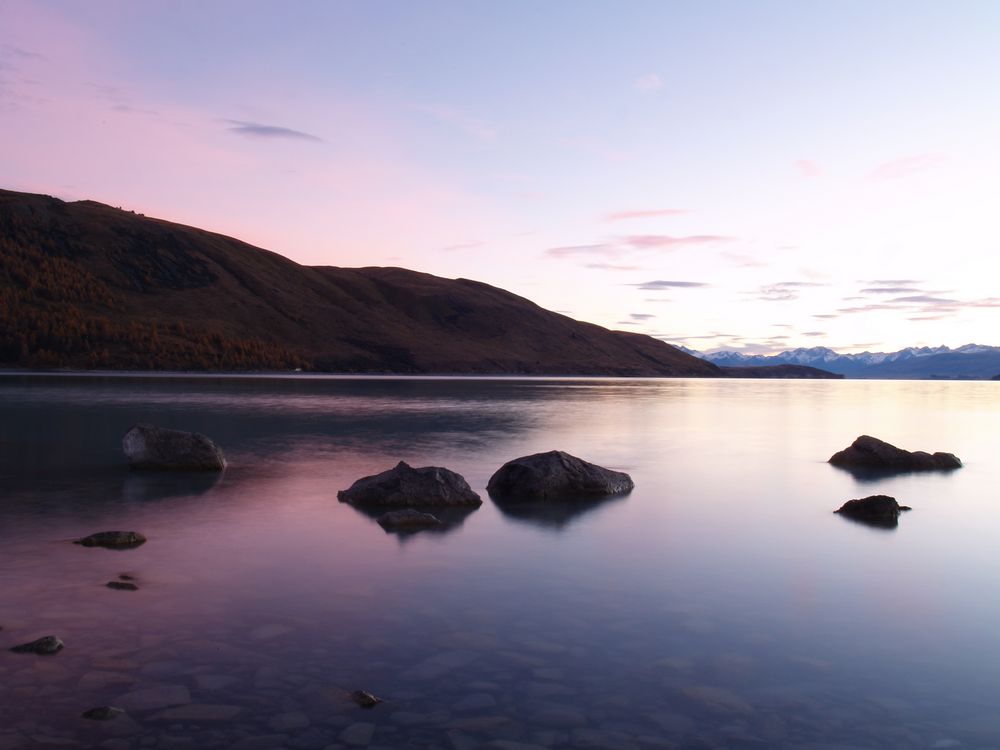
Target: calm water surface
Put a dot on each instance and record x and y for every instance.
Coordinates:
(720, 605)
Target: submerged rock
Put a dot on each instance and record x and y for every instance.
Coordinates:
(122, 586)
(879, 509)
(406, 487)
(45, 645)
(102, 713)
(113, 539)
(407, 519)
(868, 453)
(149, 447)
(556, 475)
(365, 699)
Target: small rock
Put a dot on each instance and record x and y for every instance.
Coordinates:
(406, 487)
(879, 509)
(365, 699)
(556, 475)
(113, 539)
(290, 720)
(122, 586)
(407, 519)
(149, 699)
(196, 713)
(358, 735)
(102, 713)
(150, 447)
(475, 702)
(868, 453)
(48, 644)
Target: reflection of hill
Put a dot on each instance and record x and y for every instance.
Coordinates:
(551, 514)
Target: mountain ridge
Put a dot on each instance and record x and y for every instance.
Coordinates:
(84, 285)
(969, 361)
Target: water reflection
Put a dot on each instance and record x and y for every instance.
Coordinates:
(717, 606)
(451, 520)
(555, 515)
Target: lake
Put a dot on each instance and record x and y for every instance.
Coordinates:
(719, 605)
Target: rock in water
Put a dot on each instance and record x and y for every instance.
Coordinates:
(556, 475)
(407, 519)
(876, 455)
(365, 699)
(149, 447)
(406, 487)
(122, 586)
(113, 539)
(875, 508)
(102, 713)
(48, 644)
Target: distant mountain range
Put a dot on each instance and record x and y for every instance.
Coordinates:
(968, 362)
(87, 286)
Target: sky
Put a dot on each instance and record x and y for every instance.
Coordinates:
(722, 175)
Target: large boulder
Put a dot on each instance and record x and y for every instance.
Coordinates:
(878, 509)
(406, 487)
(149, 447)
(872, 454)
(556, 475)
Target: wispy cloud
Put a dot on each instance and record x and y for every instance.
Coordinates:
(926, 299)
(576, 251)
(462, 246)
(906, 166)
(647, 83)
(641, 316)
(668, 242)
(660, 284)
(611, 267)
(890, 289)
(743, 260)
(644, 214)
(808, 169)
(892, 282)
(784, 291)
(813, 333)
(472, 126)
(257, 130)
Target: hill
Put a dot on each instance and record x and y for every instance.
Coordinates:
(85, 285)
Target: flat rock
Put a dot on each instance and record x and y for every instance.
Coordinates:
(358, 735)
(717, 699)
(880, 510)
(289, 720)
(406, 487)
(872, 454)
(197, 713)
(149, 447)
(47, 644)
(122, 586)
(102, 713)
(554, 476)
(150, 699)
(365, 699)
(408, 518)
(113, 539)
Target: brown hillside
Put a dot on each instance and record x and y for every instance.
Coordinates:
(90, 286)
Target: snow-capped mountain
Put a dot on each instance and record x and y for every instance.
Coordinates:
(971, 361)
